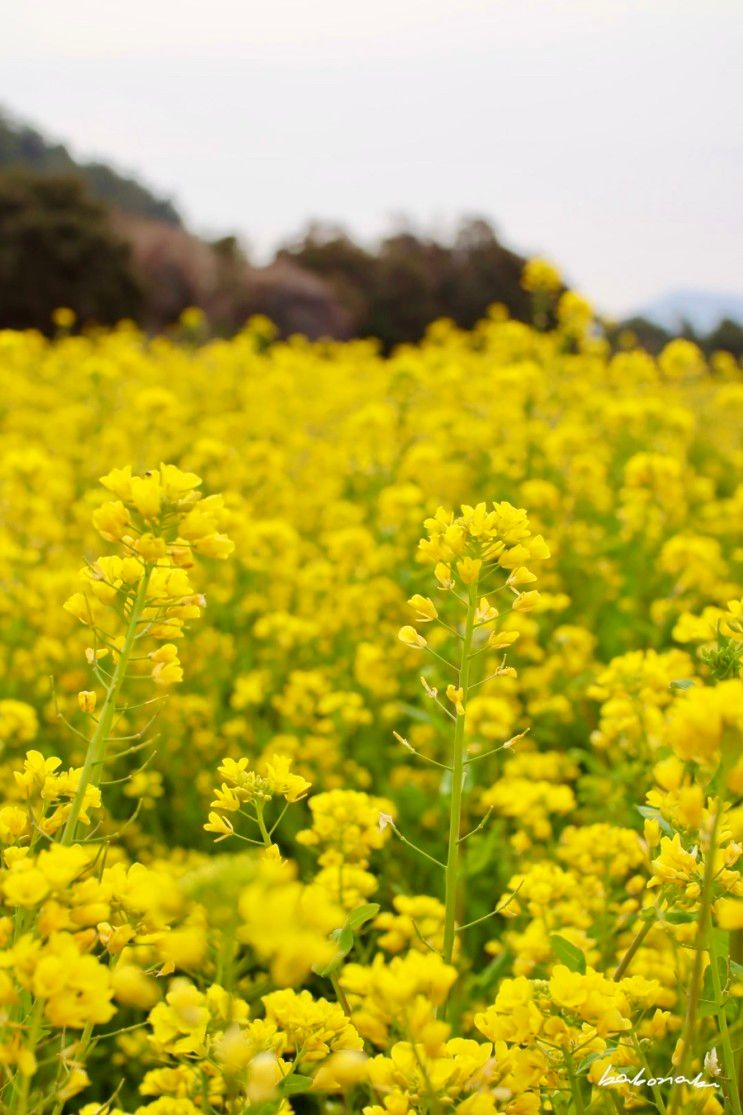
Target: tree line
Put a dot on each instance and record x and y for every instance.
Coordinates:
(83, 237)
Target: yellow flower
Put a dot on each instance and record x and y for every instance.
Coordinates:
(221, 825)
(281, 781)
(86, 701)
(425, 608)
(25, 886)
(469, 570)
(541, 276)
(729, 913)
(499, 640)
(179, 1023)
(674, 864)
(456, 696)
(63, 317)
(410, 637)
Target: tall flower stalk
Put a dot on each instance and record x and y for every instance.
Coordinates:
(96, 751)
(457, 780)
(133, 604)
(160, 523)
(478, 556)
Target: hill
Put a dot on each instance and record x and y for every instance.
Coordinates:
(701, 310)
(22, 146)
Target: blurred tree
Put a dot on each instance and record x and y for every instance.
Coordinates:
(728, 336)
(57, 248)
(22, 146)
(644, 332)
(328, 252)
(396, 291)
(484, 272)
(405, 295)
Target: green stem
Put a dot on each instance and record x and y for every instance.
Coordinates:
(736, 954)
(19, 1101)
(457, 781)
(340, 995)
(728, 1057)
(265, 834)
(630, 953)
(415, 847)
(653, 1087)
(574, 1086)
(695, 985)
(425, 1076)
(80, 1056)
(92, 766)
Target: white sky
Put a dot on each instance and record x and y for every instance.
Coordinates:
(604, 133)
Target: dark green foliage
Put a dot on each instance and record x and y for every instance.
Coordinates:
(22, 146)
(397, 290)
(58, 249)
(726, 337)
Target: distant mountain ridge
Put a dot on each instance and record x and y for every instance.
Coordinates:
(22, 146)
(703, 310)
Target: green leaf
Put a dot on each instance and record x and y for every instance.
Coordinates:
(295, 1084)
(588, 1061)
(344, 939)
(651, 814)
(361, 915)
(485, 980)
(570, 955)
(718, 944)
(682, 683)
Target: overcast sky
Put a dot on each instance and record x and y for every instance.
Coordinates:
(603, 133)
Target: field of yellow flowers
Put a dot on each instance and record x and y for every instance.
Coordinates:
(370, 727)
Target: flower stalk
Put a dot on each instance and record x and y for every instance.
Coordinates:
(457, 782)
(700, 944)
(92, 768)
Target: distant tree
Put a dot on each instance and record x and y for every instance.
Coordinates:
(728, 337)
(57, 248)
(646, 333)
(406, 291)
(396, 290)
(329, 252)
(484, 272)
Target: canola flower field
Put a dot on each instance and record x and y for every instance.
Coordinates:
(370, 727)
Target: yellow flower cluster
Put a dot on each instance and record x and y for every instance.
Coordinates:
(401, 830)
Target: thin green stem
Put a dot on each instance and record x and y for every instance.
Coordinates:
(657, 1096)
(415, 847)
(457, 784)
(81, 1053)
(265, 834)
(340, 995)
(93, 763)
(574, 1086)
(728, 1057)
(634, 946)
(19, 1101)
(695, 984)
